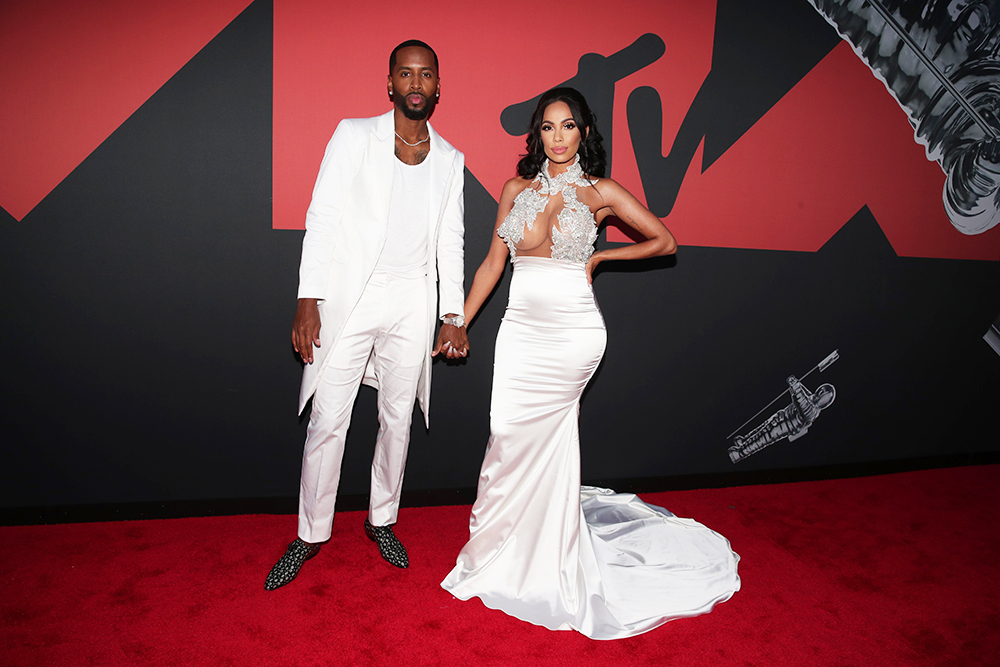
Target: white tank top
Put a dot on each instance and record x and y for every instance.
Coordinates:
(405, 251)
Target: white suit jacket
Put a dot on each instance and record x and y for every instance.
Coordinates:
(346, 228)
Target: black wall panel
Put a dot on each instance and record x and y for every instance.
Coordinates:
(147, 305)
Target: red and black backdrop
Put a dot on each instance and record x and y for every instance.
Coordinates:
(156, 162)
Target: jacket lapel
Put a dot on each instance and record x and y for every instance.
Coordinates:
(381, 154)
(441, 161)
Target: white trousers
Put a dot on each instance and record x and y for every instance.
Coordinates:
(388, 325)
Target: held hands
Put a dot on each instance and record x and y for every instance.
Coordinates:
(305, 329)
(452, 342)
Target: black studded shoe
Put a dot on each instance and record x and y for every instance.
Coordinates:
(389, 546)
(288, 565)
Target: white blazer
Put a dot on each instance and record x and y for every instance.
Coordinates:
(345, 233)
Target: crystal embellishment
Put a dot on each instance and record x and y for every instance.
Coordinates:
(573, 239)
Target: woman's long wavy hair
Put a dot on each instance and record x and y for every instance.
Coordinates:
(592, 157)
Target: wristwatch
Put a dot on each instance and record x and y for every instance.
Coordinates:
(456, 321)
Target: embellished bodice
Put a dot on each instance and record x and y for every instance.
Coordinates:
(573, 238)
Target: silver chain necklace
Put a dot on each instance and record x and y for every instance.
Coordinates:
(412, 145)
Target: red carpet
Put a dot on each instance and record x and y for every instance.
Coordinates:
(890, 570)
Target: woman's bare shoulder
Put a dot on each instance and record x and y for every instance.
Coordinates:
(605, 184)
(514, 186)
(518, 182)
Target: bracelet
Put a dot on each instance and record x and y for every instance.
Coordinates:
(456, 321)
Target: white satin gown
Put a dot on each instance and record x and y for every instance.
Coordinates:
(541, 548)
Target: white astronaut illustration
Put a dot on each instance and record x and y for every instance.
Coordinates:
(940, 59)
(792, 421)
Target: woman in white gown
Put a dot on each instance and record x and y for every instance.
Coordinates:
(541, 548)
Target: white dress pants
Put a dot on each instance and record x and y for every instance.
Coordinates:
(389, 325)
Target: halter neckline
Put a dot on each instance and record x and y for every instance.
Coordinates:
(573, 176)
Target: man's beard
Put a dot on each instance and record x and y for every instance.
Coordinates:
(417, 114)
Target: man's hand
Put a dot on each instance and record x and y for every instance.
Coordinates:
(305, 329)
(452, 342)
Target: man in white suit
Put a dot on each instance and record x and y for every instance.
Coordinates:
(384, 236)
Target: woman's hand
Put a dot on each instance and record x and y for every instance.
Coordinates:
(592, 263)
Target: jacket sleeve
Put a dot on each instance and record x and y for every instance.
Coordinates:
(340, 164)
(451, 244)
